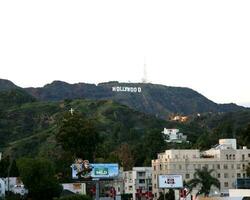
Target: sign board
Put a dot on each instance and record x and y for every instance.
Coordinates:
(170, 181)
(100, 170)
(104, 170)
(126, 89)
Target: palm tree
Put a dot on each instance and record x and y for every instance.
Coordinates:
(204, 180)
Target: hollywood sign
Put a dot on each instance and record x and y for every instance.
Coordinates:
(126, 89)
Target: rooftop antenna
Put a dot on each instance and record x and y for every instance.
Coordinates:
(144, 79)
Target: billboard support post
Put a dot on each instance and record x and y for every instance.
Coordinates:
(97, 191)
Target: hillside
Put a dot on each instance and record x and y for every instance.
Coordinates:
(28, 128)
(7, 85)
(154, 99)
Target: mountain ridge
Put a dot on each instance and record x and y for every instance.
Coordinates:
(154, 99)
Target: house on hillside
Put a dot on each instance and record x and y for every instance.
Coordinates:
(14, 184)
(173, 135)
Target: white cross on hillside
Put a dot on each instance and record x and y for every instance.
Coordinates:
(71, 111)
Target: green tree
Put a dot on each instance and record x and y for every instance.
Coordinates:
(168, 195)
(204, 181)
(244, 136)
(153, 143)
(38, 176)
(8, 167)
(78, 136)
(126, 157)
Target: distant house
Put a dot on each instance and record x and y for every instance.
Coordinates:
(15, 185)
(179, 118)
(77, 188)
(173, 135)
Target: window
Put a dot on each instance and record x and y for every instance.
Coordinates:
(233, 157)
(207, 166)
(180, 167)
(130, 187)
(187, 176)
(141, 173)
(243, 157)
(155, 186)
(141, 181)
(218, 166)
(160, 167)
(238, 166)
(218, 175)
(238, 175)
(232, 166)
(225, 166)
(225, 184)
(226, 175)
(154, 167)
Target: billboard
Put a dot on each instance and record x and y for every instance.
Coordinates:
(170, 181)
(99, 171)
(104, 170)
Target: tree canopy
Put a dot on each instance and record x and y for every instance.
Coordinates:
(78, 136)
(204, 181)
(38, 176)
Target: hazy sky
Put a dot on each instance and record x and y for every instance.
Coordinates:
(204, 45)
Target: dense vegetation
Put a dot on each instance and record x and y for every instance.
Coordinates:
(38, 175)
(39, 129)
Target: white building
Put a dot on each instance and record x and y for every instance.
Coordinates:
(227, 162)
(15, 185)
(138, 182)
(77, 188)
(2, 187)
(173, 135)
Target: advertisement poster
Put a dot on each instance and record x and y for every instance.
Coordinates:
(170, 181)
(94, 170)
